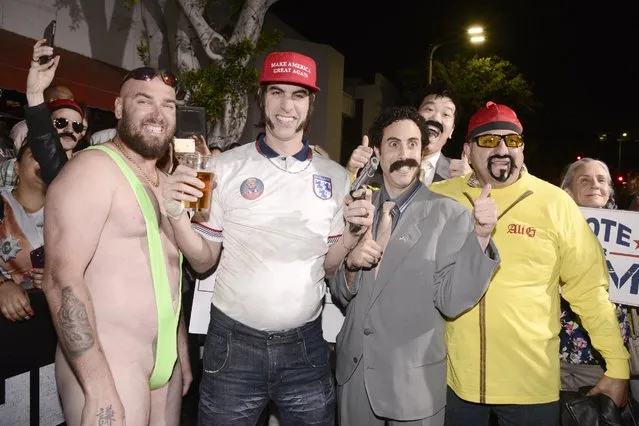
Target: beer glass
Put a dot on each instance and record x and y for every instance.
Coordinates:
(199, 163)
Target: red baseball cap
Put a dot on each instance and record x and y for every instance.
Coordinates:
(290, 68)
(493, 117)
(65, 104)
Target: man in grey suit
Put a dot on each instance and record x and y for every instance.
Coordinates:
(430, 259)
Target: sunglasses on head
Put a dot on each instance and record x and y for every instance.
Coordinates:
(61, 123)
(148, 74)
(491, 141)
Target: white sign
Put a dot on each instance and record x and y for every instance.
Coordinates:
(618, 233)
(201, 309)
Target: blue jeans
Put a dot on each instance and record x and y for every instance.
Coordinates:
(244, 368)
(463, 413)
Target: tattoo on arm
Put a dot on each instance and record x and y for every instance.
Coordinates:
(106, 416)
(76, 332)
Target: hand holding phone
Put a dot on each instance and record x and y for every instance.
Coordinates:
(37, 257)
(49, 35)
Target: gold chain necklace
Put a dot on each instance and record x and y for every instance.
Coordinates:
(157, 175)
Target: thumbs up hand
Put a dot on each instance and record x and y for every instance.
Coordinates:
(485, 214)
(459, 167)
(359, 157)
(366, 254)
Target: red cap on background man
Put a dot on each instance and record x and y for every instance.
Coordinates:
(493, 117)
(290, 68)
(65, 104)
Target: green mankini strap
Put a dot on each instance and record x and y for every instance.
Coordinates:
(168, 319)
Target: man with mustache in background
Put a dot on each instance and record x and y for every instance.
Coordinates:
(502, 353)
(425, 259)
(440, 111)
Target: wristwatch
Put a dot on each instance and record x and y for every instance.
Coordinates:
(348, 268)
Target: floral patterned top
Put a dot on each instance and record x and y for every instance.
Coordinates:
(574, 342)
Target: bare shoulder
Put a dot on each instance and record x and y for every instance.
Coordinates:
(87, 173)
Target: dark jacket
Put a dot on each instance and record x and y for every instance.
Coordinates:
(44, 142)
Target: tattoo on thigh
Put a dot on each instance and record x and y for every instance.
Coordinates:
(77, 335)
(106, 416)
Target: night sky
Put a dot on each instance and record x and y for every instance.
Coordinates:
(579, 59)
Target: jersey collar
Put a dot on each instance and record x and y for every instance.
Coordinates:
(304, 154)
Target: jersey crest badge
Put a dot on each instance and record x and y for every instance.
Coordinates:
(251, 188)
(323, 187)
(9, 248)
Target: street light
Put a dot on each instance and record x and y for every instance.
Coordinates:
(475, 36)
(622, 138)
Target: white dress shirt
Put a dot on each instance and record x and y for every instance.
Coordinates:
(428, 168)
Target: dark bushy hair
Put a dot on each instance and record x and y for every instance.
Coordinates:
(440, 90)
(391, 115)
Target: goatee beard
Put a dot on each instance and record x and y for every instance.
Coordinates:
(153, 147)
(504, 174)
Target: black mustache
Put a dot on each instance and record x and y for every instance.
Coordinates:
(436, 124)
(69, 134)
(410, 162)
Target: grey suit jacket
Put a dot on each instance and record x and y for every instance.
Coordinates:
(441, 169)
(432, 268)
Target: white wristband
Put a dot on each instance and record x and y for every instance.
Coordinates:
(174, 209)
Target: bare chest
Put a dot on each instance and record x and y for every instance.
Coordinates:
(127, 213)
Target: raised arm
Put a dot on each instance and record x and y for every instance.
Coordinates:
(76, 208)
(42, 137)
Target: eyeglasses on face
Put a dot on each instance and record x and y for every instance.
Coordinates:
(148, 74)
(61, 122)
(491, 141)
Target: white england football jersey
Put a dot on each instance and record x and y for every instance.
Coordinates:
(276, 218)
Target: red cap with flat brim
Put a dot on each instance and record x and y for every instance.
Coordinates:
(493, 117)
(290, 68)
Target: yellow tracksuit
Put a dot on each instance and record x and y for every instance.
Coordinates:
(505, 350)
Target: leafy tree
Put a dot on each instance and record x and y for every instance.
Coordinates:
(474, 80)
(210, 43)
(480, 79)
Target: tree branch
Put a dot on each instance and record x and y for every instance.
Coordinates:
(249, 24)
(211, 40)
(155, 32)
(251, 19)
(185, 58)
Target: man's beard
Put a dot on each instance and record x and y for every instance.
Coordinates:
(149, 147)
(504, 174)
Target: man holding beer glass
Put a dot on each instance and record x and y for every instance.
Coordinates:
(279, 211)
(199, 163)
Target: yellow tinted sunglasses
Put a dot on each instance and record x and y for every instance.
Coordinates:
(490, 141)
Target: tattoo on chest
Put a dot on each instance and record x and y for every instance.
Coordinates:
(75, 328)
(106, 416)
